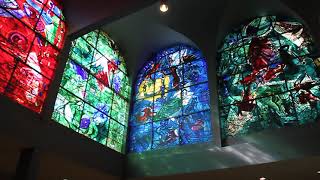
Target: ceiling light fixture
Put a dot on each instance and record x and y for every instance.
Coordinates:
(263, 178)
(164, 5)
(318, 172)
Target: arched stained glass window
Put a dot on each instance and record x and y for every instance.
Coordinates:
(267, 77)
(94, 94)
(172, 105)
(32, 35)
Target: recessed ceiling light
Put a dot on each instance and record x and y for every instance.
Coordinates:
(318, 172)
(263, 178)
(164, 6)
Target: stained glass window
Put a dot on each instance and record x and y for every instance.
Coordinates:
(94, 94)
(267, 78)
(171, 105)
(32, 35)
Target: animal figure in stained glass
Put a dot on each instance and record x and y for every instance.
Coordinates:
(267, 79)
(172, 101)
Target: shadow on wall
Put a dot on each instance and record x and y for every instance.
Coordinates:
(292, 169)
(264, 147)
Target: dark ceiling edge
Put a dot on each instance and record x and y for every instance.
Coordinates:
(110, 19)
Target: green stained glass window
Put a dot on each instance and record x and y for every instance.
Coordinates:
(267, 78)
(119, 110)
(81, 52)
(115, 138)
(94, 94)
(67, 110)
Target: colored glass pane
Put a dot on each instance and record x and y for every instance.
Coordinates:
(119, 110)
(196, 99)
(142, 112)
(168, 89)
(28, 11)
(166, 133)
(120, 83)
(307, 104)
(107, 47)
(55, 7)
(28, 87)
(267, 80)
(121, 64)
(7, 64)
(15, 37)
(116, 136)
(188, 55)
(140, 138)
(168, 79)
(168, 61)
(145, 88)
(44, 55)
(68, 109)
(102, 68)
(81, 52)
(195, 128)
(167, 106)
(98, 95)
(91, 38)
(102, 89)
(75, 79)
(232, 40)
(28, 60)
(51, 27)
(194, 73)
(94, 124)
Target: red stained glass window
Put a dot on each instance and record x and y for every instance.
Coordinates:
(32, 34)
(6, 68)
(15, 37)
(28, 87)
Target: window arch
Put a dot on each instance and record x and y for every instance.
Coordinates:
(94, 94)
(267, 78)
(172, 105)
(32, 35)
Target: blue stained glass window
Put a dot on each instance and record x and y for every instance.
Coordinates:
(165, 133)
(142, 112)
(196, 128)
(172, 104)
(141, 138)
(267, 78)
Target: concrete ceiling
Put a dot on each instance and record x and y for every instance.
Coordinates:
(147, 31)
(200, 24)
(82, 13)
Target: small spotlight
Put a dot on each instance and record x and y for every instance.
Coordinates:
(164, 6)
(318, 172)
(263, 178)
